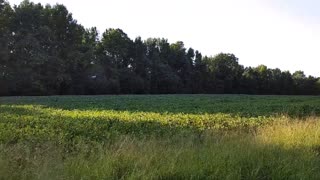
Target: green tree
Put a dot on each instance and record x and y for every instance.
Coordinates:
(299, 79)
(120, 49)
(43, 51)
(118, 46)
(6, 12)
(141, 65)
(199, 74)
(226, 72)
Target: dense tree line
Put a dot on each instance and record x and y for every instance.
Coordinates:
(44, 51)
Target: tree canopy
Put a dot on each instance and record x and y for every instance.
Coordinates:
(45, 51)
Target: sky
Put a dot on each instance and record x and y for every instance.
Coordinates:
(281, 34)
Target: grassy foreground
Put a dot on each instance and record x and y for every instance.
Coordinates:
(160, 137)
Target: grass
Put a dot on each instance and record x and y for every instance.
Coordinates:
(160, 137)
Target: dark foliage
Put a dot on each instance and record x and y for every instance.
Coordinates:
(44, 51)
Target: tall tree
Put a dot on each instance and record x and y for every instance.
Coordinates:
(226, 71)
(118, 46)
(44, 51)
(141, 65)
(6, 13)
(199, 74)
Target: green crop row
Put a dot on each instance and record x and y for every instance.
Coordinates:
(243, 105)
(104, 117)
(160, 137)
(25, 122)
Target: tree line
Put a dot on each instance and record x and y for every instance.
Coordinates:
(44, 51)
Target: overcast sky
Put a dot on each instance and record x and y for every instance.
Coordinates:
(276, 33)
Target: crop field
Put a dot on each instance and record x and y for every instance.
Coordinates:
(160, 137)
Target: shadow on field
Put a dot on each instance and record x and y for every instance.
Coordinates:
(243, 105)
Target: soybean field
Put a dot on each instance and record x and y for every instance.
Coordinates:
(160, 137)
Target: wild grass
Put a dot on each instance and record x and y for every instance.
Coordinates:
(51, 140)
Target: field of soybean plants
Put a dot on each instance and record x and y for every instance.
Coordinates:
(160, 137)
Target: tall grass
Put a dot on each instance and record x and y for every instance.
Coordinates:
(286, 149)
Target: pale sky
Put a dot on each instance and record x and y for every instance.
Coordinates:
(276, 33)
